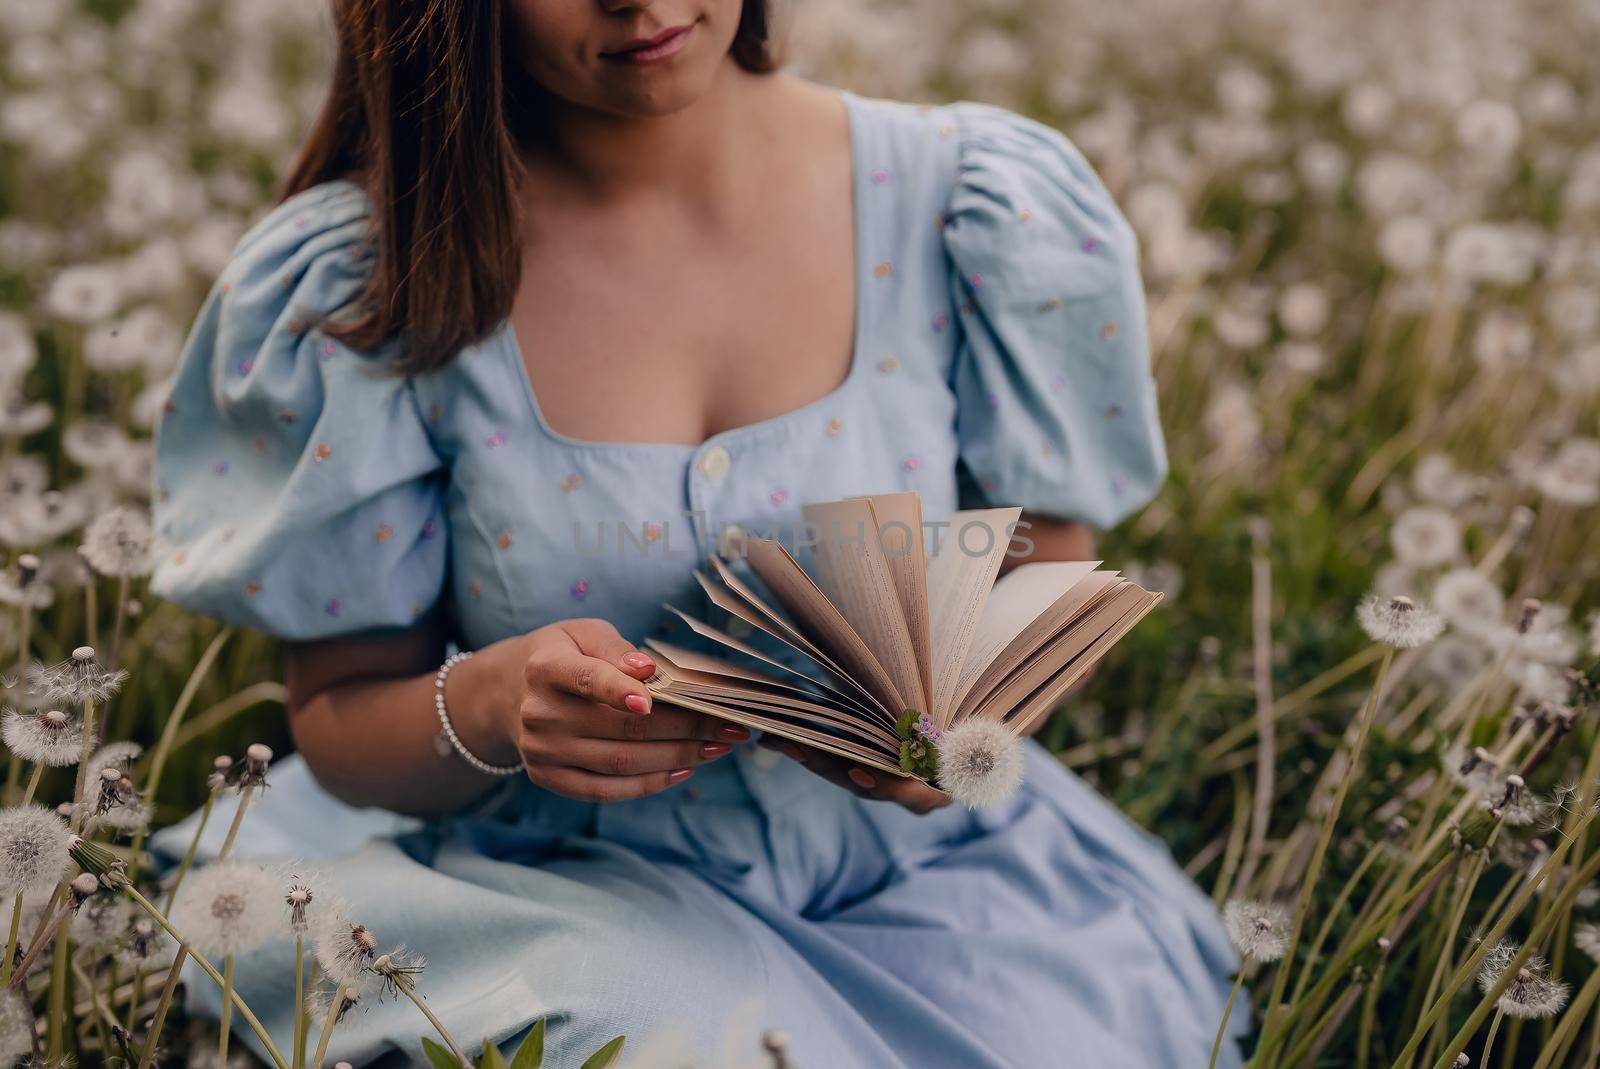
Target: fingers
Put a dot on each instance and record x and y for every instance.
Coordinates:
(601, 640)
(569, 715)
(611, 758)
(586, 786)
(913, 794)
(564, 668)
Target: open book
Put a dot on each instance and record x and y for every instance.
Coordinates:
(901, 651)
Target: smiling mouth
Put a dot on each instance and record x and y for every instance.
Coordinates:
(656, 48)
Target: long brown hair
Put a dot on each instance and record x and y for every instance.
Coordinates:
(426, 110)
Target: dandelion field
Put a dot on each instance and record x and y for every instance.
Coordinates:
(1371, 238)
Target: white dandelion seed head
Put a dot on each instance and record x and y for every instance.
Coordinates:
(1303, 309)
(1504, 339)
(20, 589)
(117, 808)
(35, 849)
(344, 948)
(1489, 129)
(1398, 621)
(77, 679)
(143, 945)
(1571, 475)
(117, 543)
(1406, 244)
(49, 738)
(1258, 930)
(16, 1026)
(1469, 600)
(1586, 937)
(85, 294)
(980, 762)
(117, 756)
(94, 445)
(102, 920)
(1531, 992)
(1439, 482)
(228, 908)
(1513, 804)
(1425, 537)
(1454, 661)
(1474, 770)
(309, 899)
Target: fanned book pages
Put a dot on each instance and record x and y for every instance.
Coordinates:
(900, 650)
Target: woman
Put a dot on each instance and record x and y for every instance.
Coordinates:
(548, 268)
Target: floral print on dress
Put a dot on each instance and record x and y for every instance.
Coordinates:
(984, 377)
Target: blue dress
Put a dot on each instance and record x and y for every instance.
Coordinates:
(1000, 358)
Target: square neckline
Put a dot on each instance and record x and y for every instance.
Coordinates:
(510, 346)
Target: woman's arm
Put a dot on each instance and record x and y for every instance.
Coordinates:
(566, 701)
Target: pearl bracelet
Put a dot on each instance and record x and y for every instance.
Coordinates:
(447, 739)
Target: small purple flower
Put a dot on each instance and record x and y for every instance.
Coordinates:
(926, 727)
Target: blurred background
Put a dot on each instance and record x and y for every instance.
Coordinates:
(1371, 238)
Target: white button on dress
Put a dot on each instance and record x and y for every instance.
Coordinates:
(715, 462)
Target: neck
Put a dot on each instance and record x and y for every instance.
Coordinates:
(689, 153)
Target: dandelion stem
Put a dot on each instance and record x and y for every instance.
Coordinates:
(1314, 866)
(118, 621)
(238, 1003)
(305, 1020)
(1466, 968)
(1227, 1011)
(194, 846)
(180, 708)
(24, 647)
(1554, 1051)
(328, 1022)
(1327, 922)
(79, 809)
(1360, 937)
(1457, 912)
(1322, 1029)
(403, 984)
(299, 998)
(1266, 726)
(174, 972)
(11, 942)
(238, 818)
(1488, 1044)
(33, 783)
(226, 1017)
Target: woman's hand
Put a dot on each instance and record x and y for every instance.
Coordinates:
(913, 794)
(586, 728)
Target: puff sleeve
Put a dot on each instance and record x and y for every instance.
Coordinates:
(297, 490)
(1056, 407)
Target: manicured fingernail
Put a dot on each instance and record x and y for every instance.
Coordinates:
(638, 703)
(636, 660)
(714, 749)
(679, 775)
(792, 751)
(862, 779)
(734, 734)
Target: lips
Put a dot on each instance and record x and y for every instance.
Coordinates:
(646, 46)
